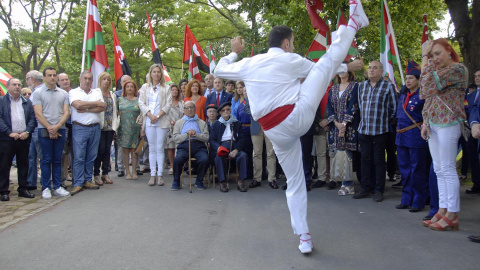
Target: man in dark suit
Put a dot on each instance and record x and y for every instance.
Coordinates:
(473, 99)
(219, 96)
(226, 139)
(17, 121)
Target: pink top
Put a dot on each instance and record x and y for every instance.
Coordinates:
(449, 84)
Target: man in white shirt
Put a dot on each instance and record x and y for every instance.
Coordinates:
(285, 107)
(86, 106)
(209, 83)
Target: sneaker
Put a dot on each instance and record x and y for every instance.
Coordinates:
(90, 185)
(199, 185)
(61, 192)
(305, 246)
(76, 190)
(175, 186)
(378, 197)
(358, 18)
(46, 194)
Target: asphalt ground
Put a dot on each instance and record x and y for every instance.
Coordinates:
(129, 225)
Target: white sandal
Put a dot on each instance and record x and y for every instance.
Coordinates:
(342, 191)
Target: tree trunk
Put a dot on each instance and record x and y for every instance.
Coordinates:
(466, 32)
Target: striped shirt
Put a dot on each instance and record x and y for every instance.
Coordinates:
(377, 107)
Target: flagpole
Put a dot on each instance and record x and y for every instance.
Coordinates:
(395, 42)
(85, 36)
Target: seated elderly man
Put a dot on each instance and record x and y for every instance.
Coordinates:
(191, 125)
(226, 139)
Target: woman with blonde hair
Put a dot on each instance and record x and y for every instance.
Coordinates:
(194, 93)
(443, 83)
(155, 102)
(176, 113)
(108, 128)
(129, 131)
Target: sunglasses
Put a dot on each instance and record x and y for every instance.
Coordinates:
(27, 94)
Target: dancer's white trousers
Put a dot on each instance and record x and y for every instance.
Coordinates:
(285, 137)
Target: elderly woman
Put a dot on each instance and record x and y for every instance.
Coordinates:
(194, 93)
(176, 113)
(412, 149)
(110, 125)
(155, 102)
(343, 118)
(26, 92)
(443, 84)
(129, 132)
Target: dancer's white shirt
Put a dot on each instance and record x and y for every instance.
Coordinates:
(267, 92)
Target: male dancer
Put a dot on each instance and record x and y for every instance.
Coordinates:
(284, 107)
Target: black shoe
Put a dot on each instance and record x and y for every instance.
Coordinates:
(415, 210)
(139, 172)
(401, 206)
(378, 197)
(32, 188)
(116, 167)
(223, 187)
(319, 184)
(391, 178)
(473, 191)
(309, 187)
(284, 187)
(362, 194)
(26, 194)
(121, 174)
(254, 184)
(398, 185)
(4, 198)
(332, 185)
(273, 184)
(474, 238)
(315, 176)
(427, 218)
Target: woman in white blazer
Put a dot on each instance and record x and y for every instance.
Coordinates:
(155, 102)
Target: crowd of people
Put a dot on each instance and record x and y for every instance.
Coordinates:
(344, 133)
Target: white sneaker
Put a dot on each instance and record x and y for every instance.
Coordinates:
(46, 194)
(61, 192)
(305, 246)
(358, 18)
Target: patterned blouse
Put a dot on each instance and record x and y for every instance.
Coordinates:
(108, 113)
(448, 84)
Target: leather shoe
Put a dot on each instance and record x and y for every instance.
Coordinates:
(4, 198)
(241, 186)
(473, 191)
(474, 238)
(121, 174)
(32, 188)
(273, 184)
(223, 187)
(401, 206)
(319, 184)
(26, 194)
(284, 187)
(378, 197)
(415, 210)
(362, 194)
(139, 172)
(309, 187)
(254, 184)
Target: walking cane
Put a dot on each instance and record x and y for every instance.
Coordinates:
(190, 162)
(229, 151)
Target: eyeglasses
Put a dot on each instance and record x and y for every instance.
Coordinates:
(190, 108)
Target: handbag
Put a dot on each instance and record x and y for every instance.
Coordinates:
(464, 127)
(341, 168)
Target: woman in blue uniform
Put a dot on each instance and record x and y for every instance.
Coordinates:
(412, 150)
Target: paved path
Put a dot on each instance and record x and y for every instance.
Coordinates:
(129, 225)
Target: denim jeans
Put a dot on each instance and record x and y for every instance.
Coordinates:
(51, 163)
(85, 147)
(34, 153)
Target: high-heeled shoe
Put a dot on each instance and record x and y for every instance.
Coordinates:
(435, 218)
(453, 224)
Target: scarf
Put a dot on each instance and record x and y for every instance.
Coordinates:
(188, 119)
(229, 121)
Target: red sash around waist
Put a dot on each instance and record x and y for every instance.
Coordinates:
(275, 117)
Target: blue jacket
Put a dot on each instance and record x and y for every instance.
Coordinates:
(6, 117)
(212, 99)
(254, 125)
(410, 138)
(217, 132)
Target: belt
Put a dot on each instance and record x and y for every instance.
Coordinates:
(82, 125)
(275, 117)
(245, 125)
(409, 127)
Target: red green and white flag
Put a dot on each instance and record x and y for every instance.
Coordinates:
(4, 77)
(156, 53)
(353, 50)
(211, 58)
(97, 61)
(388, 45)
(320, 45)
(425, 30)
